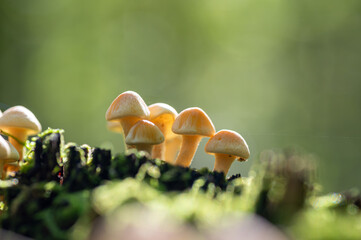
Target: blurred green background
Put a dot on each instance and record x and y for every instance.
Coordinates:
(282, 73)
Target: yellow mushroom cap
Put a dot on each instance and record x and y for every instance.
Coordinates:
(7, 151)
(162, 114)
(20, 117)
(114, 127)
(160, 109)
(144, 132)
(193, 121)
(127, 104)
(228, 142)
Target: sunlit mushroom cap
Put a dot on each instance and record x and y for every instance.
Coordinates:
(144, 132)
(193, 121)
(20, 117)
(127, 104)
(162, 114)
(228, 142)
(7, 151)
(162, 110)
(114, 127)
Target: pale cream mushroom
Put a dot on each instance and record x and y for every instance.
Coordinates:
(8, 154)
(227, 146)
(143, 135)
(127, 109)
(162, 115)
(18, 123)
(193, 124)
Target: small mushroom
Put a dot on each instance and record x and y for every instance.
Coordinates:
(193, 124)
(11, 168)
(226, 146)
(127, 108)
(143, 135)
(8, 154)
(19, 122)
(172, 146)
(162, 115)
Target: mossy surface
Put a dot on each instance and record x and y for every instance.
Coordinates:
(62, 188)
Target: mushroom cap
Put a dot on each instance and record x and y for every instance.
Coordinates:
(127, 104)
(159, 109)
(193, 121)
(20, 117)
(7, 151)
(228, 142)
(144, 132)
(114, 126)
(162, 115)
(1, 113)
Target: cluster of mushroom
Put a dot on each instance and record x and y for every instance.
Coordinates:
(160, 131)
(17, 123)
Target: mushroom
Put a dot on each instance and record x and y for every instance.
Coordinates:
(193, 124)
(227, 145)
(8, 154)
(11, 168)
(162, 115)
(143, 135)
(18, 123)
(127, 108)
(172, 146)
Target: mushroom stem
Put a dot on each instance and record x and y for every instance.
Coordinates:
(188, 149)
(22, 137)
(145, 147)
(171, 149)
(223, 162)
(159, 151)
(127, 123)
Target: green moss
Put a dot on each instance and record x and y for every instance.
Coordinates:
(61, 188)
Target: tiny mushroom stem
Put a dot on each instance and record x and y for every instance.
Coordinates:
(223, 162)
(188, 149)
(158, 151)
(145, 147)
(193, 124)
(127, 123)
(172, 147)
(22, 137)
